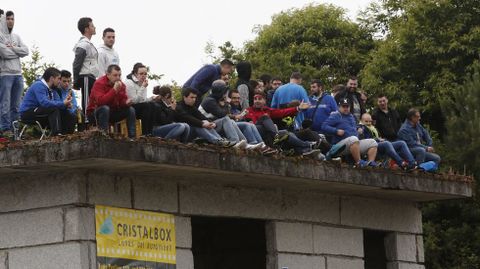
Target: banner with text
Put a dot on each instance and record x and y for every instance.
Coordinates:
(134, 239)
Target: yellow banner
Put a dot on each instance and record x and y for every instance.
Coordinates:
(129, 234)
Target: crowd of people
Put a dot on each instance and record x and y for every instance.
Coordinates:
(265, 114)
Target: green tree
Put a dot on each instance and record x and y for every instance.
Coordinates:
(317, 40)
(34, 67)
(226, 51)
(452, 230)
(428, 49)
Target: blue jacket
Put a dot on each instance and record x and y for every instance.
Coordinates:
(202, 80)
(414, 136)
(336, 121)
(325, 108)
(63, 94)
(286, 94)
(39, 95)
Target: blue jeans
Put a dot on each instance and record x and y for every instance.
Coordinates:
(397, 150)
(250, 131)
(228, 127)
(209, 134)
(104, 115)
(11, 89)
(175, 130)
(421, 155)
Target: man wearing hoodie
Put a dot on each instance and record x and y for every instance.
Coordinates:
(41, 103)
(85, 64)
(343, 127)
(215, 108)
(106, 54)
(11, 80)
(202, 80)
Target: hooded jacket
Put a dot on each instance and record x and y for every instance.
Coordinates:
(106, 57)
(202, 80)
(86, 59)
(136, 93)
(244, 70)
(10, 56)
(40, 95)
(103, 94)
(210, 106)
(337, 121)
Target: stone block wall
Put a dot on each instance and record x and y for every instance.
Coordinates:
(47, 220)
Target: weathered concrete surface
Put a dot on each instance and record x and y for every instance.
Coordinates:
(31, 228)
(297, 261)
(59, 256)
(344, 263)
(79, 223)
(337, 241)
(154, 157)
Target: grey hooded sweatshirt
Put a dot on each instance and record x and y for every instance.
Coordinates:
(11, 50)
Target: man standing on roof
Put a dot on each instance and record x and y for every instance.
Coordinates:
(85, 64)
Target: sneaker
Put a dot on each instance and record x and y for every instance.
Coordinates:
(269, 151)
(242, 144)
(408, 167)
(312, 153)
(373, 164)
(255, 146)
(224, 143)
(335, 151)
(280, 138)
(362, 164)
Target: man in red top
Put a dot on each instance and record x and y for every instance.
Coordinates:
(262, 115)
(108, 102)
(259, 110)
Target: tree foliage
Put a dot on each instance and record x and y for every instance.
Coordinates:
(452, 233)
(317, 40)
(33, 68)
(429, 47)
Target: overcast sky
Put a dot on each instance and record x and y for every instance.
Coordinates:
(168, 36)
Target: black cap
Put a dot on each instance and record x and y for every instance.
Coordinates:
(344, 102)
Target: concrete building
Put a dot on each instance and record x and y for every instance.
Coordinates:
(231, 210)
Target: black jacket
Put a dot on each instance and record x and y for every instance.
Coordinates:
(211, 103)
(165, 114)
(387, 124)
(189, 114)
(349, 95)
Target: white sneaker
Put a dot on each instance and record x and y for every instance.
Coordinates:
(242, 144)
(255, 146)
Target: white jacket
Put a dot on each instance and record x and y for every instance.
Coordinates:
(10, 57)
(86, 58)
(135, 92)
(106, 57)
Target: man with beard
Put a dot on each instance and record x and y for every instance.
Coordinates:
(351, 93)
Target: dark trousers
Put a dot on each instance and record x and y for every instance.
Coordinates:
(147, 113)
(58, 120)
(267, 129)
(103, 115)
(85, 84)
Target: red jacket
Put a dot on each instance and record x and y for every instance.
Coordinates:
(273, 113)
(103, 94)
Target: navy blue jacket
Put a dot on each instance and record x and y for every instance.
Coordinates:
(337, 121)
(414, 136)
(202, 80)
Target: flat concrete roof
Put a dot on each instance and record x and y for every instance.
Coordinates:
(175, 161)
